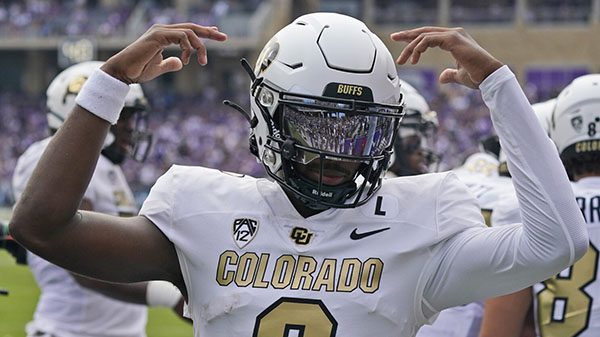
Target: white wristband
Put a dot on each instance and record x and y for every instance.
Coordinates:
(103, 95)
(162, 294)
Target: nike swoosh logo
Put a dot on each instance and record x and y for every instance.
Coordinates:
(357, 236)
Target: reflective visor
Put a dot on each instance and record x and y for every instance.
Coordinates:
(338, 128)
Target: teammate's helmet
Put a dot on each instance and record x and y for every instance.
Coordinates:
(416, 135)
(575, 126)
(543, 112)
(61, 93)
(326, 88)
(60, 101)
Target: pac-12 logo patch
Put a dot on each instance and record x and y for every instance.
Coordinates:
(244, 230)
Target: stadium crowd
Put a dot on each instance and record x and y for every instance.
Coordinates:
(200, 130)
(51, 18)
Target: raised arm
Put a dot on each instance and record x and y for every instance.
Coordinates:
(46, 219)
(484, 262)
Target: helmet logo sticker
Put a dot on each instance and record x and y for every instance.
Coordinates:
(354, 90)
(577, 123)
(348, 91)
(301, 236)
(74, 86)
(266, 57)
(244, 230)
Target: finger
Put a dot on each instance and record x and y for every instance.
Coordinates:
(457, 76)
(449, 75)
(212, 32)
(196, 44)
(202, 57)
(188, 41)
(408, 50)
(180, 37)
(167, 65)
(410, 34)
(429, 40)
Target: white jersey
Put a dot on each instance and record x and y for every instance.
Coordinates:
(480, 174)
(568, 304)
(66, 309)
(253, 266)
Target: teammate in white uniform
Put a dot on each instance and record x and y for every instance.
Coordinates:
(564, 305)
(328, 247)
(414, 154)
(414, 151)
(480, 173)
(71, 305)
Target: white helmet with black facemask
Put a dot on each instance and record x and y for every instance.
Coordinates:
(325, 92)
(414, 148)
(575, 126)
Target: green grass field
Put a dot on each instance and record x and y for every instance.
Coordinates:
(17, 308)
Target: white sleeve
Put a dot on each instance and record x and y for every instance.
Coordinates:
(158, 206)
(479, 263)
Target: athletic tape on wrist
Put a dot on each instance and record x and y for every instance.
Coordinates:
(162, 294)
(103, 96)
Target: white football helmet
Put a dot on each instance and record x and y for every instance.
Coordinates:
(61, 93)
(575, 125)
(326, 88)
(543, 112)
(60, 101)
(416, 133)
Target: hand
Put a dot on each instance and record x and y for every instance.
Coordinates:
(473, 63)
(142, 60)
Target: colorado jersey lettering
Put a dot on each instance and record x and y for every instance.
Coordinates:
(273, 276)
(436, 254)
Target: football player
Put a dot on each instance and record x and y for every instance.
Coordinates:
(326, 247)
(563, 305)
(479, 173)
(70, 304)
(414, 148)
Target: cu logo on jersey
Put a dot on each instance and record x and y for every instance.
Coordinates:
(301, 236)
(244, 231)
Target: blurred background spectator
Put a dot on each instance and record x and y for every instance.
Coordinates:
(546, 43)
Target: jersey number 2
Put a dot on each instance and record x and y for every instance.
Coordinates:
(291, 316)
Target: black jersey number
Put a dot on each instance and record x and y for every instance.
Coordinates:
(563, 305)
(290, 316)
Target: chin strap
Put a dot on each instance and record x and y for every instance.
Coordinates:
(329, 194)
